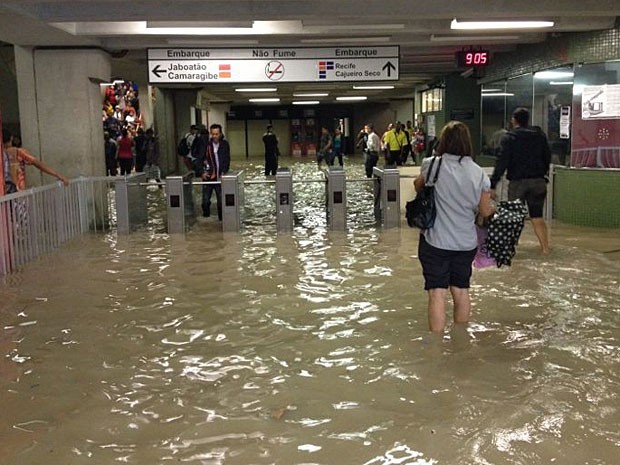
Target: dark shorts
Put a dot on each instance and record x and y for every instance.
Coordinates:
(444, 268)
(532, 191)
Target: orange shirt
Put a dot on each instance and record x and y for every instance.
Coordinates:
(18, 159)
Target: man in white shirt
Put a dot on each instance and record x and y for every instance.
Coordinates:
(373, 146)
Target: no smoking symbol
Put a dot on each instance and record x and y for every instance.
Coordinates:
(274, 70)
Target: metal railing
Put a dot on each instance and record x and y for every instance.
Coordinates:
(36, 221)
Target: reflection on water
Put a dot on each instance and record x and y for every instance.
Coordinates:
(303, 348)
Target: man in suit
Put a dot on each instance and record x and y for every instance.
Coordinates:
(215, 163)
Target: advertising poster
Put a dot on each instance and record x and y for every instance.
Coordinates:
(600, 102)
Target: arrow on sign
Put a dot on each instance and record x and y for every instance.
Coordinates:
(389, 67)
(157, 71)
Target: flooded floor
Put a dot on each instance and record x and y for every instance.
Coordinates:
(306, 348)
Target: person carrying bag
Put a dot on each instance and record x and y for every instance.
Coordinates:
(421, 211)
(447, 248)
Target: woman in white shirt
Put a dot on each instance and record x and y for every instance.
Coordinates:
(446, 251)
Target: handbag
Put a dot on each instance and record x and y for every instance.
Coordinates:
(483, 259)
(421, 211)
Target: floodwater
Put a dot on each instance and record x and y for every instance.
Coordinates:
(304, 348)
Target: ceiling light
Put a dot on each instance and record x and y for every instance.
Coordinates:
(231, 24)
(481, 25)
(353, 27)
(257, 89)
(213, 43)
(561, 83)
(491, 90)
(264, 100)
(372, 87)
(123, 28)
(471, 39)
(498, 94)
(306, 102)
(553, 74)
(578, 89)
(318, 94)
(347, 40)
(360, 97)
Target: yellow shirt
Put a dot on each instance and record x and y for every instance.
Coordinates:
(395, 141)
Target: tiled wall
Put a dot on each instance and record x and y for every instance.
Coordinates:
(556, 51)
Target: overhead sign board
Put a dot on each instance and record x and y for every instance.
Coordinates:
(269, 65)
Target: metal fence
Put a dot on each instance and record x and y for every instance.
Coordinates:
(36, 221)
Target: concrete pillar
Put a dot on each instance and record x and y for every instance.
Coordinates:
(163, 123)
(60, 108)
(217, 115)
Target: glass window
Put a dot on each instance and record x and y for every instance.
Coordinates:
(494, 120)
(582, 133)
(432, 100)
(596, 121)
(553, 91)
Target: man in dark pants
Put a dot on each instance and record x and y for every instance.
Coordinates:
(525, 153)
(271, 151)
(215, 163)
(373, 146)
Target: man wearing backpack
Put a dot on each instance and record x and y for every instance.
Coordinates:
(184, 149)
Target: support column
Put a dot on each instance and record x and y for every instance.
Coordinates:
(60, 103)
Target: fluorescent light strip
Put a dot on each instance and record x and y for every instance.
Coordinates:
(354, 27)
(351, 98)
(210, 42)
(306, 102)
(482, 25)
(470, 39)
(347, 40)
(372, 87)
(318, 94)
(491, 90)
(257, 89)
(264, 100)
(123, 28)
(498, 94)
(553, 74)
(561, 83)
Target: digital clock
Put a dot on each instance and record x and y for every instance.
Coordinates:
(469, 58)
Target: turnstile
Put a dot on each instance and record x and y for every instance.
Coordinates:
(232, 201)
(387, 196)
(284, 199)
(336, 198)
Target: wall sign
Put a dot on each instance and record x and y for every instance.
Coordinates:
(263, 65)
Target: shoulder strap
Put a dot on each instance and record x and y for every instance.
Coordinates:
(430, 169)
(437, 170)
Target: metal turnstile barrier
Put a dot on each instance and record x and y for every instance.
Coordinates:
(179, 203)
(336, 198)
(232, 201)
(131, 208)
(284, 199)
(387, 197)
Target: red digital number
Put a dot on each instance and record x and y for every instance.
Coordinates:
(480, 58)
